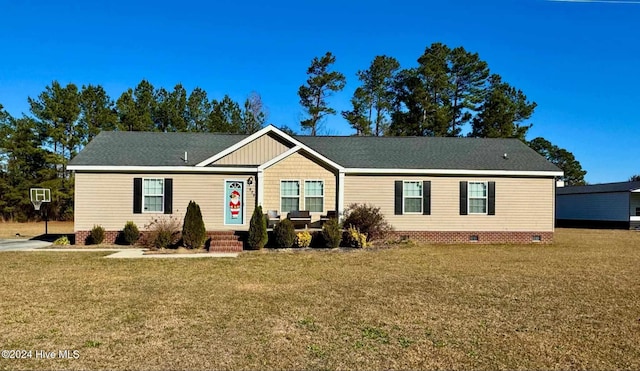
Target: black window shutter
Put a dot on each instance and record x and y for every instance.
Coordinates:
(463, 198)
(491, 207)
(137, 195)
(426, 197)
(168, 195)
(398, 199)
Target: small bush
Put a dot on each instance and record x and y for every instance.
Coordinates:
(368, 220)
(96, 236)
(284, 233)
(257, 229)
(193, 231)
(163, 232)
(354, 238)
(317, 240)
(130, 233)
(62, 241)
(303, 239)
(332, 233)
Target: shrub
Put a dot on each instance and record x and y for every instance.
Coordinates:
(368, 220)
(162, 232)
(62, 241)
(130, 233)
(257, 229)
(96, 236)
(303, 239)
(284, 233)
(332, 233)
(355, 238)
(193, 231)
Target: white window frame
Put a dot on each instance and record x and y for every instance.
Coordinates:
(154, 195)
(404, 197)
(300, 205)
(305, 194)
(486, 198)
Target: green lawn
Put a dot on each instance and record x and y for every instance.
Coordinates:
(571, 305)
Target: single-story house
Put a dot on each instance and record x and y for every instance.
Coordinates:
(429, 189)
(609, 205)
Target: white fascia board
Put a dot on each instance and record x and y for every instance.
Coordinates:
(454, 172)
(636, 190)
(279, 158)
(161, 169)
(633, 218)
(241, 143)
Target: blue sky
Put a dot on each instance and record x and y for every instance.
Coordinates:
(579, 60)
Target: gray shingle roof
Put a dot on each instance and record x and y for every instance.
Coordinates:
(127, 148)
(167, 149)
(599, 188)
(429, 153)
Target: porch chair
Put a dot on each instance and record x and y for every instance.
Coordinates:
(273, 218)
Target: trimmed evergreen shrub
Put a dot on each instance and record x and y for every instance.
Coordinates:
(284, 234)
(368, 220)
(193, 231)
(130, 233)
(96, 236)
(257, 229)
(332, 233)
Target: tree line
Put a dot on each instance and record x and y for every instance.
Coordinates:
(451, 92)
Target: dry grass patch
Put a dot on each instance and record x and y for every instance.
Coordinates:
(571, 305)
(32, 229)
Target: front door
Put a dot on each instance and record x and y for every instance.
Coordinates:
(234, 202)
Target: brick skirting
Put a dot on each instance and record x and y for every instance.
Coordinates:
(225, 241)
(475, 237)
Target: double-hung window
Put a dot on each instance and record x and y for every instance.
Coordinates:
(477, 197)
(289, 195)
(314, 195)
(153, 195)
(412, 197)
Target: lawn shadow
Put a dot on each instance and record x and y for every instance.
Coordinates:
(54, 236)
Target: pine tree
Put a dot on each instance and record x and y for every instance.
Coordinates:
(193, 229)
(320, 85)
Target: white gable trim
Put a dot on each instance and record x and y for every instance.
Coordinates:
(453, 172)
(279, 158)
(636, 190)
(258, 134)
(241, 143)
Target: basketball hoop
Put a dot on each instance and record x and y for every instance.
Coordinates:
(39, 196)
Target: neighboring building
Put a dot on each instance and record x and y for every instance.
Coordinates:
(429, 189)
(610, 205)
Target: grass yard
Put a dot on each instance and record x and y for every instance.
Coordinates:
(571, 305)
(33, 229)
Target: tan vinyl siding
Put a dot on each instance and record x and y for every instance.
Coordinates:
(298, 167)
(256, 152)
(107, 199)
(522, 204)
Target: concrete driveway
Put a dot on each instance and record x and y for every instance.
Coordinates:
(16, 244)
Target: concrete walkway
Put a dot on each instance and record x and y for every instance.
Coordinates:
(20, 244)
(125, 253)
